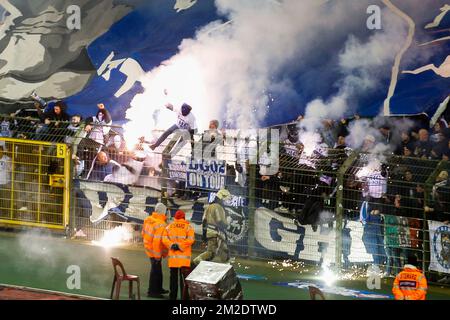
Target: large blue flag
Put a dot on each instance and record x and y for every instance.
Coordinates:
(121, 40)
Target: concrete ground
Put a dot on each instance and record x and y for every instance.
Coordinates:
(37, 261)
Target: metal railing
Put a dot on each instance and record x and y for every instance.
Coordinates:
(310, 210)
(34, 187)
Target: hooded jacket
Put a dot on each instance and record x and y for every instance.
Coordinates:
(179, 232)
(214, 221)
(152, 233)
(410, 284)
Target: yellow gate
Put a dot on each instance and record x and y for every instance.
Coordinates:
(34, 183)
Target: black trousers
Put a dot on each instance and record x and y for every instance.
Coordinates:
(180, 273)
(156, 277)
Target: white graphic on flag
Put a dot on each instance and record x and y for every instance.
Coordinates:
(399, 56)
(128, 66)
(437, 21)
(181, 5)
(439, 246)
(443, 70)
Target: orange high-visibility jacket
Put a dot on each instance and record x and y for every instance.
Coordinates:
(147, 235)
(152, 231)
(181, 233)
(410, 284)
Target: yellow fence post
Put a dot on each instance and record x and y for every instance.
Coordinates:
(67, 186)
(39, 185)
(13, 169)
(49, 202)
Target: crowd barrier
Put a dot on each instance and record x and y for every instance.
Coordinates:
(314, 209)
(35, 183)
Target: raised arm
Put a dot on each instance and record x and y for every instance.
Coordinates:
(168, 104)
(40, 112)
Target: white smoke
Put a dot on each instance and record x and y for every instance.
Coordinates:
(359, 131)
(363, 66)
(115, 237)
(374, 165)
(45, 259)
(226, 72)
(310, 140)
(35, 245)
(363, 129)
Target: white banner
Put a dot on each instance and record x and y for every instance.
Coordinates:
(272, 231)
(280, 234)
(439, 246)
(206, 175)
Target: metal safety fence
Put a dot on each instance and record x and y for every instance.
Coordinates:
(34, 184)
(323, 206)
(400, 208)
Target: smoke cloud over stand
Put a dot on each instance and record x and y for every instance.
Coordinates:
(231, 68)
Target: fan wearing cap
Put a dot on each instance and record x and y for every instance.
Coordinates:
(368, 143)
(214, 228)
(178, 237)
(185, 121)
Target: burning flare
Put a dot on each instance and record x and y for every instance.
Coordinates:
(115, 237)
(372, 167)
(180, 80)
(327, 275)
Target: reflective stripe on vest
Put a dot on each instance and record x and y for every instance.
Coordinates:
(158, 226)
(180, 257)
(408, 289)
(156, 253)
(148, 234)
(212, 227)
(180, 237)
(422, 288)
(177, 237)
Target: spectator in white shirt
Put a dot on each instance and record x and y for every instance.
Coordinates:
(185, 121)
(99, 125)
(5, 130)
(376, 185)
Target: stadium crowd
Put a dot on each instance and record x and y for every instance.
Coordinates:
(99, 150)
(389, 198)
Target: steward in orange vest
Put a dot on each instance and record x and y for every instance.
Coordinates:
(410, 284)
(147, 235)
(152, 233)
(178, 238)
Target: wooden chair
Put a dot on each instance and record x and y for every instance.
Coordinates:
(121, 275)
(313, 292)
